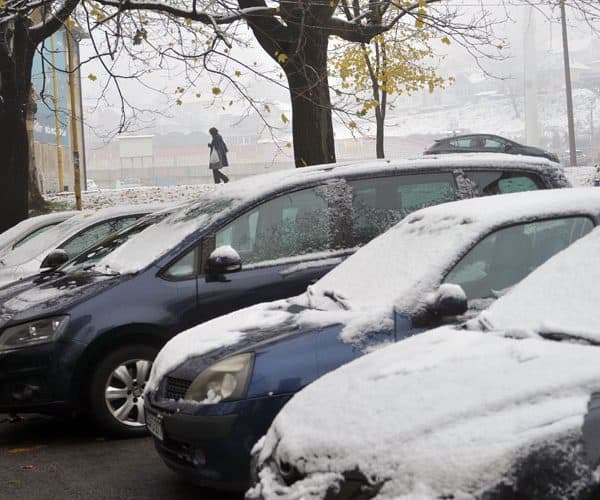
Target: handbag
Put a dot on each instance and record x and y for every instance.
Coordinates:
(214, 162)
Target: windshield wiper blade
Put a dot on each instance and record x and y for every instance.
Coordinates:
(560, 336)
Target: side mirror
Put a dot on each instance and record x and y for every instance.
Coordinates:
(448, 300)
(223, 260)
(54, 259)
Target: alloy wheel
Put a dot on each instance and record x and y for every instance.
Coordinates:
(124, 391)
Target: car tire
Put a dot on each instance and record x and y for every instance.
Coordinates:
(116, 390)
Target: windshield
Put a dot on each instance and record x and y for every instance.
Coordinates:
(88, 259)
(142, 244)
(569, 279)
(399, 266)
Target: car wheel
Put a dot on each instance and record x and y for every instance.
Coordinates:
(117, 390)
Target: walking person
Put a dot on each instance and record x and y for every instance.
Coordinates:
(218, 156)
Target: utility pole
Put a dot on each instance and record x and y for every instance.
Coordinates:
(61, 175)
(73, 117)
(530, 76)
(571, 122)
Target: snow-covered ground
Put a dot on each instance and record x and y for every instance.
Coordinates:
(94, 200)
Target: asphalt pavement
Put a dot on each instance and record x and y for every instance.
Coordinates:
(51, 458)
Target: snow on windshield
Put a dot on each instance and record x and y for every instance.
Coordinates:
(145, 247)
(561, 296)
(388, 414)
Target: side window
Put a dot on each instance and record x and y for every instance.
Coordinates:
(185, 267)
(498, 182)
(94, 234)
(32, 235)
(379, 203)
(506, 256)
(494, 144)
(290, 225)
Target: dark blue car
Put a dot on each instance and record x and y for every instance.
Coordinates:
(83, 337)
(215, 389)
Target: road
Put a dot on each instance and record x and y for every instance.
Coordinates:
(49, 458)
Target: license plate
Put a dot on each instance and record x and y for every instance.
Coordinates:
(154, 424)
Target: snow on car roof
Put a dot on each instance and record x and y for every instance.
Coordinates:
(432, 239)
(485, 398)
(570, 280)
(58, 233)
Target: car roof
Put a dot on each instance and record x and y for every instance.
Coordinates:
(264, 185)
(462, 136)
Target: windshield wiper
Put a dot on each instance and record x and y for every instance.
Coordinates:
(560, 336)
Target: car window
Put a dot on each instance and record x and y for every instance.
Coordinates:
(183, 268)
(94, 234)
(465, 142)
(379, 203)
(498, 182)
(290, 225)
(493, 144)
(33, 234)
(506, 256)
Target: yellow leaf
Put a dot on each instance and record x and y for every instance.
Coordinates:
(216, 90)
(178, 102)
(284, 118)
(288, 145)
(267, 108)
(92, 77)
(281, 57)
(188, 22)
(352, 124)
(238, 73)
(446, 40)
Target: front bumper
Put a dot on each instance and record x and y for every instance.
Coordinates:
(210, 444)
(33, 380)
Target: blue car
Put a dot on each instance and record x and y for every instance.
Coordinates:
(83, 337)
(215, 389)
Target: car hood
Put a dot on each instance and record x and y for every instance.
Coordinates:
(485, 399)
(48, 293)
(258, 323)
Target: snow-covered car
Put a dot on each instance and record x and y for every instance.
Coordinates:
(506, 407)
(215, 388)
(30, 228)
(65, 240)
(257, 239)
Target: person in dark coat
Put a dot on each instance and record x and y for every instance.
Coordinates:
(219, 145)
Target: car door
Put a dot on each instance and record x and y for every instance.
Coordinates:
(285, 244)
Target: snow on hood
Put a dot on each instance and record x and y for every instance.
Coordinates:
(232, 328)
(562, 296)
(482, 398)
(412, 256)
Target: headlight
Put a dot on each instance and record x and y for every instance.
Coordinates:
(225, 380)
(35, 332)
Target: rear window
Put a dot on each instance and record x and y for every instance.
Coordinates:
(499, 182)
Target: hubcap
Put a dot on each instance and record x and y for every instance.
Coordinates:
(124, 391)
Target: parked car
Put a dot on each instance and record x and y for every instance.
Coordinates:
(127, 183)
(113, 308)
(63, 241)
(486, 143)
(506, 408)
(30, 228)
(215, 389)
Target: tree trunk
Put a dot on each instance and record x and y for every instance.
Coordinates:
(36, 201)
(379, 119)
(306, 71)
(15, 68)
